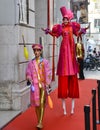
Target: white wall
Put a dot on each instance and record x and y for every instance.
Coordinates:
(7, 11)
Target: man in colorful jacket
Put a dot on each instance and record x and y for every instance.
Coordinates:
(38, 73)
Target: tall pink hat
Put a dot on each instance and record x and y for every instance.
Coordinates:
(64, 11)
(37, 46)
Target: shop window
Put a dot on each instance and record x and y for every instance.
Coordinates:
(97, 23)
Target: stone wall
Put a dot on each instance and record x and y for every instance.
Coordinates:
(14, 94)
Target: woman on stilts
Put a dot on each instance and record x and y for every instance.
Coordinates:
(67, 67)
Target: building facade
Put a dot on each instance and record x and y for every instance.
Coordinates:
(26, 17)
(15, 21)
(17, 18)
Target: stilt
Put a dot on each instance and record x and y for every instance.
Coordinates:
(64, 106)
(73, 105)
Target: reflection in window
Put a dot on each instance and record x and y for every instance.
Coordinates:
(96, 23)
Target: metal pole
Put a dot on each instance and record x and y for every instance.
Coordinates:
(40, 41)
(98, 82)
(94, 109)
(87, 117)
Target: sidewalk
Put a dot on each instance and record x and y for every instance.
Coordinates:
(92, 74)
(7, 116)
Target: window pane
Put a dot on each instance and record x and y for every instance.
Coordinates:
(23, 10)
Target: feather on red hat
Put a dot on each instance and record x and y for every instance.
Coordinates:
(37, 46)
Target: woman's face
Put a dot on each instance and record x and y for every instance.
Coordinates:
(65, 20)
(83, 6)
(75, 8)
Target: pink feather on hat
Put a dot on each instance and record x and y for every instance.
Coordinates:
(70, 14)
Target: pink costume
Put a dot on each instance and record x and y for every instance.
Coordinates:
(67, 68)
(67, 64)
(32, 72)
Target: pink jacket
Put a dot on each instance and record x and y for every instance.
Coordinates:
(45, 75)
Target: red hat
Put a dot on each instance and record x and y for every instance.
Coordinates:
(64, 12)
(37, 46)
